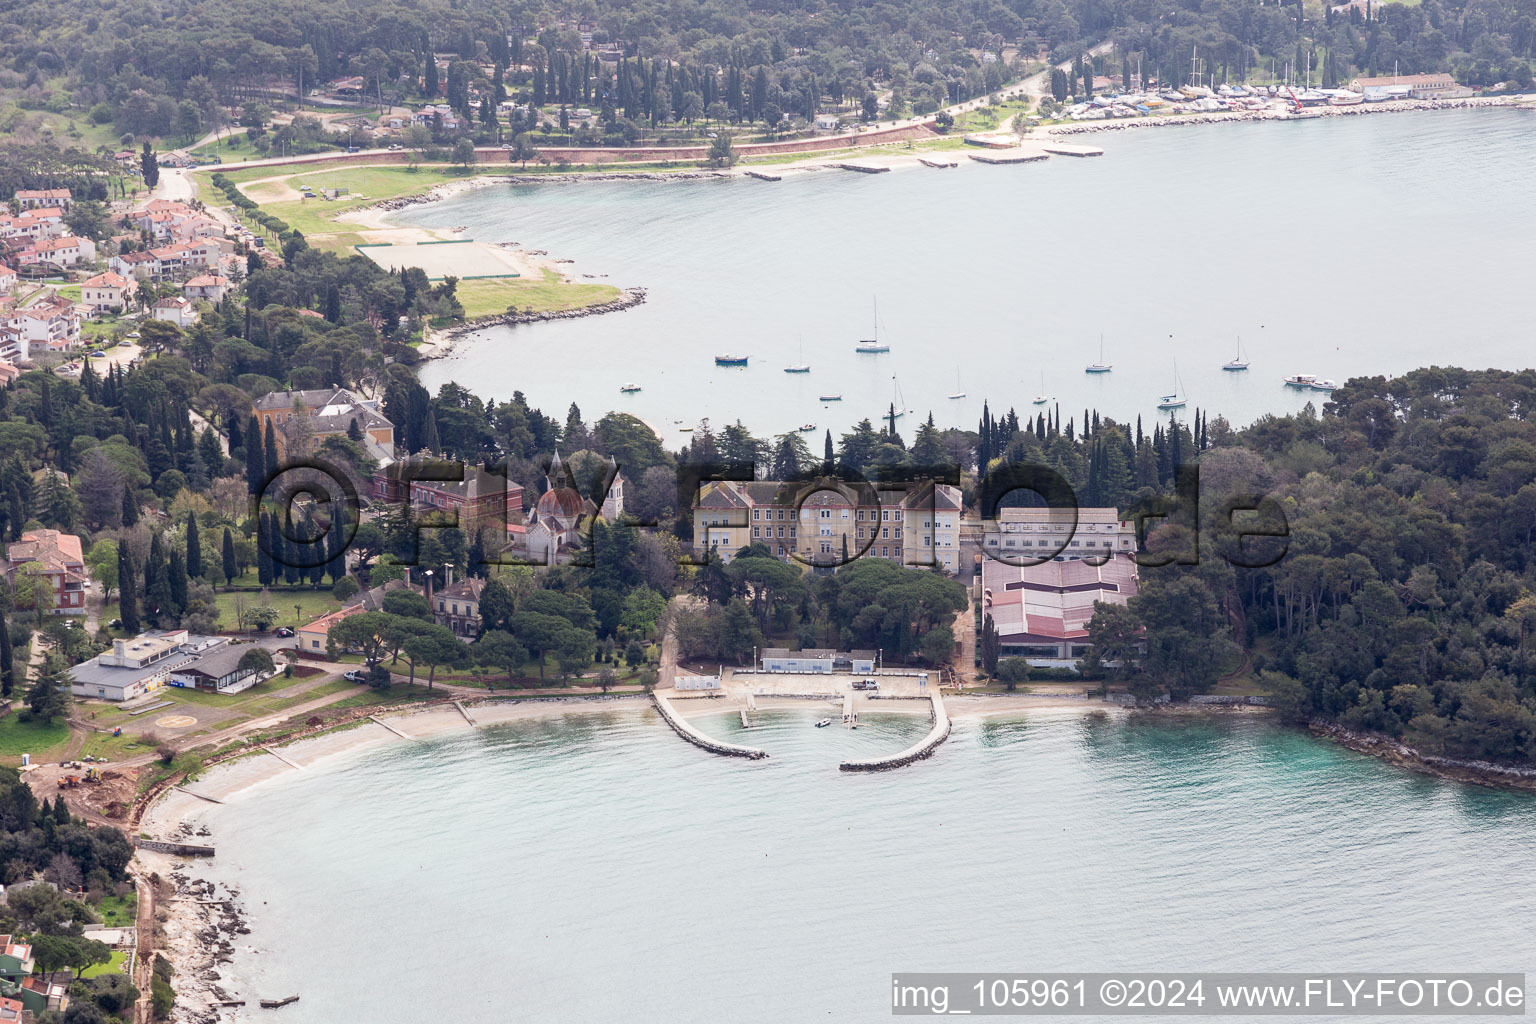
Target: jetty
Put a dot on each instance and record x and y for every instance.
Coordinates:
(1013, 156)
(1072, 149)
(182, 849)
(931, 162)
(919, 750)
(471, 721)
(765, 176)
(862, 168)
(379, 721)
(283, 759)
(200, 796)
(272, 1004)
(688, 732)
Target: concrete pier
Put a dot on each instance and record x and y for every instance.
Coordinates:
(688, 732)
(181, 789)
(764, 176)
(379, 721)
(931, 162)
(1072, 149)
(924, 747)
(862, 168)
(471, 721)
(1027, 156)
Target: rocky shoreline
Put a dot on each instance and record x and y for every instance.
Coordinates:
(200, 937)
(1395, 752)
(1184, 120)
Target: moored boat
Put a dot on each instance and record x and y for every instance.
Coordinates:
(831, 398)
(1237, 362)
(1324, 385)
(1101, 366)
(629, 389)
(1300, 380)
(730, 360)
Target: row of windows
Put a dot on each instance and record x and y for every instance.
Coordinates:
(760, 514)
(769, 532)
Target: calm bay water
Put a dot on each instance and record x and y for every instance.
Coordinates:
(596, 868)
(1338, 246)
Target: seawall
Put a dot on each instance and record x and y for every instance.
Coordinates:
(697, 738)
(919, 750)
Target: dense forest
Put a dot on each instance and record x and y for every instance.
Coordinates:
(172, 71)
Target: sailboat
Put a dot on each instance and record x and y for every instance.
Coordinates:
(958, 392)
(1238, 362)
(1177, 399)
(800, 367)
(1101, 366)
(1042, 397)
(898, 403)
(873, 346)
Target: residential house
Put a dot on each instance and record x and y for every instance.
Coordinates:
(62, 563)
(175, 310)
(8, 373)
(108, 292)
(457, 605)
(313, 638)
(11, 1010)
(7, 279)
(15, 346)
(52, 321)
(1042, 610)
(302, 420)
(66, 251)
(207, 287)
(28, 198)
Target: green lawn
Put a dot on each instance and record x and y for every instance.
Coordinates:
(18, 737)
(492, 296)
(119, 911)
(70, 292)
(312, 604)
(113, 966)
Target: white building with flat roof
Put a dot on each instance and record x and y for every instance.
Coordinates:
(1043, 534)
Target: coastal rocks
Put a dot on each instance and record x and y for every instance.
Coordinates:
(1481, 773)
(198, 940)
(631, 297)
(1234, 117)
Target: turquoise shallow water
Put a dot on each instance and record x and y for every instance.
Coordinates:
(597, 868)
(1338, 246)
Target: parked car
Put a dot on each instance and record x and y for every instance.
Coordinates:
(284, 631)
(357, 675)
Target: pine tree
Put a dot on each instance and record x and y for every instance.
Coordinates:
(229, 555)
(49, 697)
(194, 549)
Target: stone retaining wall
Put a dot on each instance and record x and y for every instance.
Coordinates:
(923, 748)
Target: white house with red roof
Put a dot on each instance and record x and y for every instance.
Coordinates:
(28, 198)
(108, 292)
(67, 251)
(53, 322)
(207, 287)
(177, 310)
(7, 279)
(62, 562)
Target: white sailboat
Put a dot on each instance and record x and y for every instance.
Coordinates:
(1101, 366)
(802, 366)
(1177, 400)
(1042, 397)
(898, 402)
(1237, 362)
(873, 346)
(959, 392)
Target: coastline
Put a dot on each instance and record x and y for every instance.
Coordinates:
(204, 926)
(1280, 114)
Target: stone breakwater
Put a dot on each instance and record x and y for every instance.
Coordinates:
(1235, 117)
(1481, 773)
(919, 750)
(630, 297)
(688, 732)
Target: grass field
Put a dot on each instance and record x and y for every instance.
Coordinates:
(18, 737)
(489, 297)
(312, 604)
(118, 911)
(113, 966)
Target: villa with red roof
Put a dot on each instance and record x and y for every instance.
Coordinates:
(62, 562)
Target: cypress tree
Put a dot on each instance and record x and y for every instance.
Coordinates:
(271, 452)
(176, 583)
(255, 460)
(194, 548)
(130, 512)
(7, 683)
(128, 591)
(285, 535)
(264, 549)
(154, 567)
(229, 554)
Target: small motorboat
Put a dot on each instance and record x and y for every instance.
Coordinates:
(685, 430)
(807, 428)
(629, 389)
(730, 360)
(798, 368)
(831, 398)
(1300, 380)
(823, 723)
(1324, 385)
